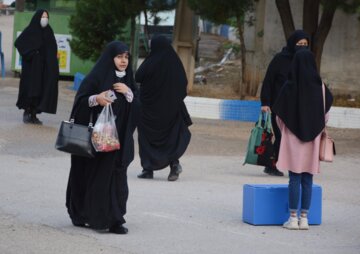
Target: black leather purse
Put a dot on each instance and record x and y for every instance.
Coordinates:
(75, 138)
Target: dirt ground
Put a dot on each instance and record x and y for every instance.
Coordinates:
(219, 82)
(223, 83)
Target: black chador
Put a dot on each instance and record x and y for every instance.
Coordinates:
(163, 119)
(97, 190)
(279, 68)
(276, 75)
(38, 91)
(302, 93)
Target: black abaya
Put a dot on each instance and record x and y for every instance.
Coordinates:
(97, 190)
(163, 122)
(276, 76)
(40, 69)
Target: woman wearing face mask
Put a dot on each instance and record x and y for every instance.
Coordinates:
(275, 78)
(38, 91)
(97, 190)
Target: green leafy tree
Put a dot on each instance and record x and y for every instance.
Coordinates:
(318, 28)
(94, 25)
(97, 22)
(227, 12)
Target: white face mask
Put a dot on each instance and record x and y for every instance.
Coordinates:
(120, 74)
(44, 22)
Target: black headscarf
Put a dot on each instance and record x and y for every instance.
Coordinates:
(163, 84)
(279, 69)
(296, 36)
(40, 69)
(34, 36)
(300, 102)
(101, 77)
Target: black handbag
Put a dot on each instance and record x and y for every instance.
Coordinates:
(75, 138)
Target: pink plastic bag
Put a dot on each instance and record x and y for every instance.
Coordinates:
(104, 136)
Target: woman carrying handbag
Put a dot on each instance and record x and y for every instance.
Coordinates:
(301, 119)
(97, 190)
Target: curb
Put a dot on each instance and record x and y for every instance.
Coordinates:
(248, 111)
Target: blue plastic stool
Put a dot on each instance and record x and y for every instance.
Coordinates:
(78, 78)
(267, 204)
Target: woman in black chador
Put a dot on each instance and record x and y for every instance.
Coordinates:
(276, 75)
(163, 120)
(38, 91)
(97, 189)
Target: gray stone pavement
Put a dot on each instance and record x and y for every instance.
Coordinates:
(200, 213)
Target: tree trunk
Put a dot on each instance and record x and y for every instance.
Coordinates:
(243, 83)
(322, 32)
(146, 31)
(20, 5)
(311, 18)
(287, 21)
(132, 41)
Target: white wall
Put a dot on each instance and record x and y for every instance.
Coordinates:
(340, 65)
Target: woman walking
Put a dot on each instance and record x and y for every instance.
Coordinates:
(97, 189)
(163, 121)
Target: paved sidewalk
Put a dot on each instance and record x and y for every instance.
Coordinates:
(200, 213)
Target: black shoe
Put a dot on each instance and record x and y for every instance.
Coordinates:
(118, 229)
(78, 224)
(35, 120)
(267, 170)
(175, 171)
(27, 117)
(276, 172)
(273, 171)
(146, 174)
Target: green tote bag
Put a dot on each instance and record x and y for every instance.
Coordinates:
(260, 150)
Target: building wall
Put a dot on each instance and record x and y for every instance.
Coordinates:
(340, 65)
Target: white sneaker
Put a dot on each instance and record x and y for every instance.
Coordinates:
(292, 223)
(303, 223)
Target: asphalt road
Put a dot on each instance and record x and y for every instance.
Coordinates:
(200, 213)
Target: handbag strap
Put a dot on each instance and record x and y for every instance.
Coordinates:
(258, 124)
(323, 94)
(267, 121)
(268, 124)
(73, 113)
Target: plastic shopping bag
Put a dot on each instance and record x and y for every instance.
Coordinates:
(104, 136)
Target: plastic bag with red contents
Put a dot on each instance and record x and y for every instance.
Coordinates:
(104, 136)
